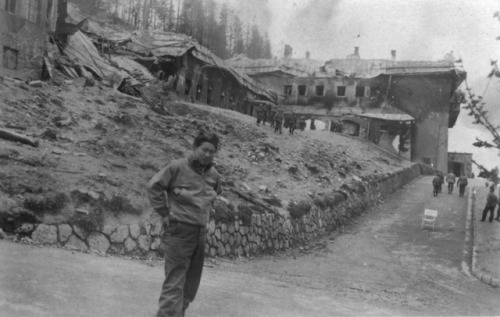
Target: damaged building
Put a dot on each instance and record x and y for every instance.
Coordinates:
(405, 107)
(24, 30)
(125, 59)
(135, 58)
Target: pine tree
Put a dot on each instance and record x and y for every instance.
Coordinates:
(239, 41)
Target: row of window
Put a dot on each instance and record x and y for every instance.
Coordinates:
(28, 9)
(320, 90)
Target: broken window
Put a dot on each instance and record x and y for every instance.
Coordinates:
(302, 90)
(320, 90)
(10, 6)
(341, 91)
(187, 86)
(288, 90)
(30, 9)
(360, 91)
(9, 58)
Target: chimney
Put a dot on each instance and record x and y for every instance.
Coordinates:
(393, 55)
(308, 54)
(356, 50)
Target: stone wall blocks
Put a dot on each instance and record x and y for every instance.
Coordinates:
(98, 242)
(135, 230)
(221, 249)
(217, 234)
(129, 244)
(64, 231)
(211, 226)
(155, 245)
(144, 242)
(156, 228)
(108, 230)
(25, 228)
(120, 234)
(75, 243)
(237, 225)
(79, 232)
(147, 227)
(227, 249)
(45, 234)
(230, 228)
(225, 237)
(231, 240)
(223, 227)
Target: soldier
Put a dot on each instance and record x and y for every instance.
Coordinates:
(272, 114)
(491, 203)
(450, 179)
(292, 123)
(259, 114)
(441, 177)
(436, 183)
(182, 193)
(461, 183)
(278, 121)
(313, 126)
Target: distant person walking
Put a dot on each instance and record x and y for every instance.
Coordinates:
(441, 178)
(491, 203)
(436, 182)
(450, 179)
(278, 121)
(182, 193)
(462, 183)
(292, 123)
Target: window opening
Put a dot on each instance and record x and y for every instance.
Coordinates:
(360, 91)
(302, 90)
(31, 8)
(288, 90)
(10, 6)
(49, 9)
(187, 87)
(320, 90)
(341, 91)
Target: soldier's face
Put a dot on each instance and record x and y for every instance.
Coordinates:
(205, 153)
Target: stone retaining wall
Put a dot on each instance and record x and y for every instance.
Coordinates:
(266, 233)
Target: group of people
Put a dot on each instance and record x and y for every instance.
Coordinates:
(439, 179)
(491, 204)
(278, 120)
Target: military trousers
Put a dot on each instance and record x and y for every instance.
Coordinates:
(184, 250)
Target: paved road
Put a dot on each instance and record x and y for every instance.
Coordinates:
(384, 264)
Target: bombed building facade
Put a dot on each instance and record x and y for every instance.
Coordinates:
(24, 28)
(405, 107)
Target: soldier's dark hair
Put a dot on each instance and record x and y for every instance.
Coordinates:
(206, 137)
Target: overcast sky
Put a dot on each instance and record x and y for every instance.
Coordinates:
(416, 29)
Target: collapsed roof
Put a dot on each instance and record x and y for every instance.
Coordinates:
(157, 45)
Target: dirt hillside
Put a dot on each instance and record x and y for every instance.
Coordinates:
(97, 148)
